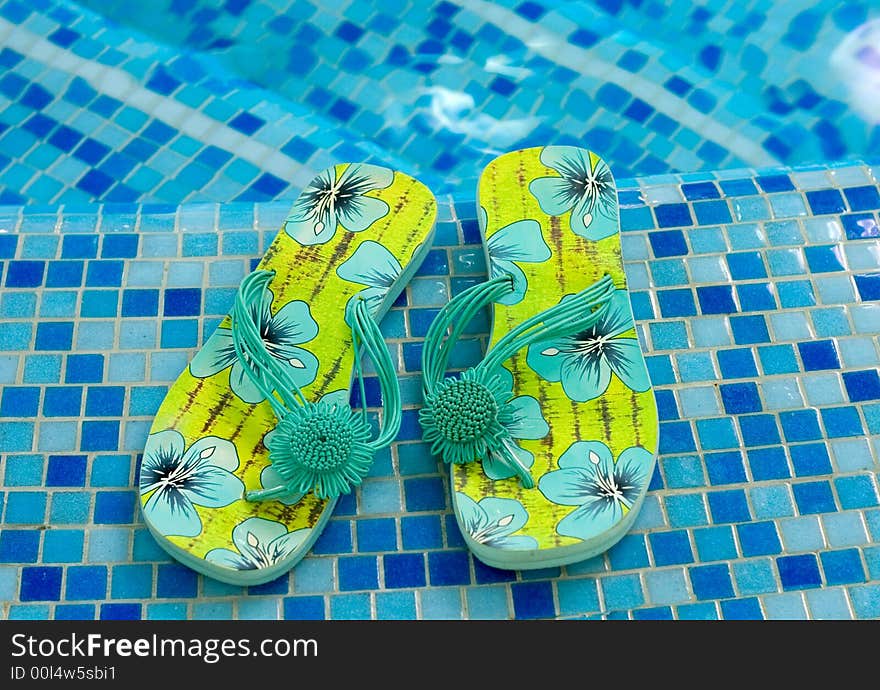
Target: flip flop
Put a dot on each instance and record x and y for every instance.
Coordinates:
(255, 441)
(552, 438)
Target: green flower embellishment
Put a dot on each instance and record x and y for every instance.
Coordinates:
(585, 187)
(585, 361)
(261, 543)
(493, 522)
(331, 201)
(476, 417)
(321, 447)
(603, 490)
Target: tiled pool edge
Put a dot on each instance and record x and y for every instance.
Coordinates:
(735, 526)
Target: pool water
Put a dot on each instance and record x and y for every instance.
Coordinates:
(190, 100)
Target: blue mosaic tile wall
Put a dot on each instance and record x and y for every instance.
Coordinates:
(756, 300)
(187, 100)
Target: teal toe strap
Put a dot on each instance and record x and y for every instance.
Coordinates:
(466, 418)
(321, 446)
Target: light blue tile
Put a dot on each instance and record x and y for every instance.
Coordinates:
(801, 534)
(785, 606)
(576, 596)
(314, 575)
(788, 326)
(489, 602)
(851, 455)
(755, 576)
(770, 502)
(844, 529)
(823, 389)
(699, 401)
(379, 496)
(442, 603)
(828, 604)
(781, 394)
(711, 331)
(667, 586)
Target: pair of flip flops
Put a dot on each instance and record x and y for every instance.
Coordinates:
(550, 440)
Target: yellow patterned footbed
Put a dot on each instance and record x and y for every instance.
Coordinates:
(199, 407)
(620, 417)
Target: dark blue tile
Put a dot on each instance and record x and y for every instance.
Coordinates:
(716, 299)
(120, 612)
(673, 215)
(25, 273)
(654, 613)
(800, 425)
(104, 273)
(64, 274)
(280, 585)
(671, 548)
(40, 584)
(758, 539)
(810, 459)
(246, 123)
(725, 468)
(105, 401)
(533, 600)
(860, 225)
(91, 151)
(65, 138)
(668, 243)
(746, 265)
(95, 183)
(84, 369)
(666, 406)
(759, 429)
(862, 385)
(728, 506)
(424, 493)
(737, 364)
(825, 201)
(711, 581)
(747, 609)
(819, 355)
(66, 470)
(99, 435)
(182, 302)
(814, 497)
(768, 463)
(842, 421)
(86, 582)
(358, 572)
(114, 507)
(20, 401)
(740, 398)
(679, 302)
(842, 567)
(119, 246)
(8, 244)
(449, 568)
(421, 532)
(775, 183)
(335, 538)
(175, 581)
(749, 330)
(484, 574)
(19, 545)
(700, 190)
(868, 285)
(629, 553)
(79, 247)
(676, 437)
(799, 572)
(378, 534)
(140, 302)
(864, 198)
(404, 570)
(54, 336)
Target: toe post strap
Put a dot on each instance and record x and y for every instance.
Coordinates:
(321, 446)
(469, 417)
